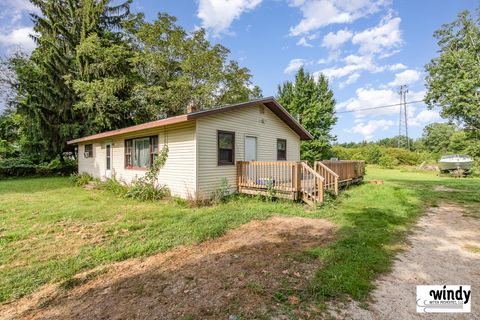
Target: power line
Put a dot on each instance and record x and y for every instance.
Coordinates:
(380, 107)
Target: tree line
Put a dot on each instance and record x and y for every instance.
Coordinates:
(99, 67)
(438, 139)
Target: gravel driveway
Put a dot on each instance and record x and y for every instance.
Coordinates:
(443, 249)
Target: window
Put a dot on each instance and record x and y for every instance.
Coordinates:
(88, 151)
(226, 147)
(281, 149)
(109, 155)
(140, 153)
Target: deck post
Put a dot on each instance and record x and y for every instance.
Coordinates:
(298, 178)
(239, 175)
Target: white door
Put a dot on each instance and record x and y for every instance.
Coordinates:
(108, 160)
(250, 148)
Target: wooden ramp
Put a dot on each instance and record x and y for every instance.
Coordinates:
(297, 180)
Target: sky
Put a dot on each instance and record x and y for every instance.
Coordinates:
(366, 48)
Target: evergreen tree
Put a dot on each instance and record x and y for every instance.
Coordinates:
(97, 67)
(312, 102)
(46, 96)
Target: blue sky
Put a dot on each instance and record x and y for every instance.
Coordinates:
(367, 48)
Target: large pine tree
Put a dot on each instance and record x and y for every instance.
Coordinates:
(312, 102)
(46, 96)
(97, 67)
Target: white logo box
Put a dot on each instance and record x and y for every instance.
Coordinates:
(444, 298)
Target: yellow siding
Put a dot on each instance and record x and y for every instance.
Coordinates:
(266, 127)
(179, 173)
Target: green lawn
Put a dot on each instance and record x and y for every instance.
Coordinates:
(50, 229)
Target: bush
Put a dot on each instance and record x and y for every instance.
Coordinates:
(146, 191)
(114, 186)
(374, 154)
(57, 168)
(221, 193)
(17, 167)
(81, 179)
(387, 161)
(146, 187)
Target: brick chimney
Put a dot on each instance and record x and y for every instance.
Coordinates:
(191, 107)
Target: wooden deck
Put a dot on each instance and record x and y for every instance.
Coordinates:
(297, 180)
(348, 171)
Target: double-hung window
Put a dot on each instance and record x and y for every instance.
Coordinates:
(226, 148)
(88, 151)
(141, 152)
(281, 149)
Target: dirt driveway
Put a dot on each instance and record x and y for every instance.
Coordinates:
(444, 249)
(238, 275)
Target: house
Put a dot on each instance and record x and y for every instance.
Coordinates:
(204, 146)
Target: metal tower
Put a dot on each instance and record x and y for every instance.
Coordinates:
(403, 140)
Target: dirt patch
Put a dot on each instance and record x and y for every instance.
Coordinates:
(240, 273)
(442, 188)
(437, 254)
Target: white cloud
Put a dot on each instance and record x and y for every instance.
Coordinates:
(320, 13)
(294, 65)
(304, 42)
(353, 64)
(13, 35)
(425, 117)
(397, 66)
(351, 79)
(370, 97)
(18, 38)
(218, 15)
(405, 77)
(13, 10)
(368, 129)
(382, 37)
(333, 40)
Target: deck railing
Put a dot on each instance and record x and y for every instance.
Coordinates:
(276, 176)
(331, 178)
(285, 178)
(311, 183)
(347, 170)
(297, 180)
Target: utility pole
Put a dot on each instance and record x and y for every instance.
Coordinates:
(403, 118)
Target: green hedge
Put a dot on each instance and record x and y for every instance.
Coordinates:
(18, 167)
(384, 156)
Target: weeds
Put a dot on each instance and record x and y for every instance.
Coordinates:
(81, 179)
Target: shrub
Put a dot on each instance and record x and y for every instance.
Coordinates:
(373, 154)
(81, 179)
(387, 161)
(220, 193)
(146, 187)
(17, 167)
(20, 167)
(114, 186)
(146, 191)
(57, 167)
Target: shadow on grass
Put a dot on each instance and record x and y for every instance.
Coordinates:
(364, 250)
(371, 235)
(227, 276)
